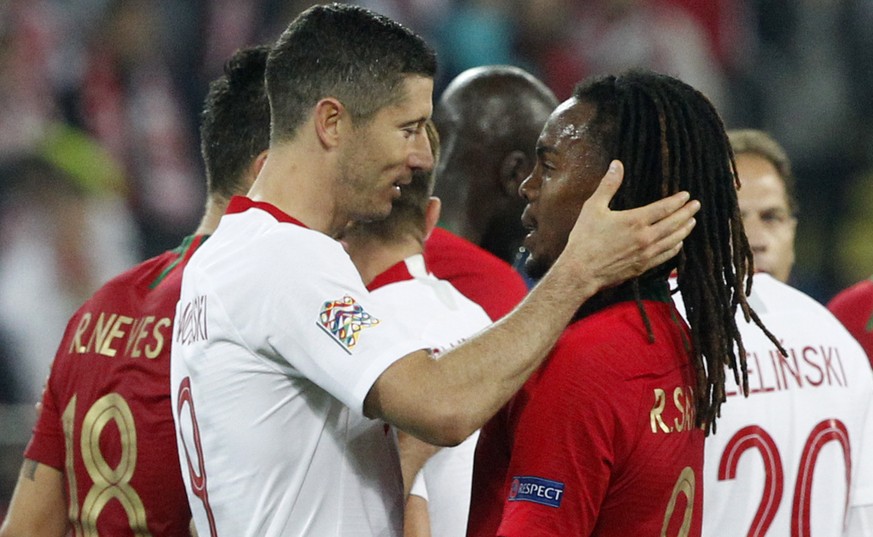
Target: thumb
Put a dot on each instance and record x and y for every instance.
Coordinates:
(609, 184)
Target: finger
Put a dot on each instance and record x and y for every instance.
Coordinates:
(666, 248)
(675, 221)
(609, 185)
(661, 209)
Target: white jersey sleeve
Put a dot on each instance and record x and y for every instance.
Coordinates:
(312, 316)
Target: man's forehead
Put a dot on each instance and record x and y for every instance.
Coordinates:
(567, 125)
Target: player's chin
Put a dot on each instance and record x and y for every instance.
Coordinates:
(536, 266)
(374, 212)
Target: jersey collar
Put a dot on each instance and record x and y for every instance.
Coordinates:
(240, 204)
(409, 268)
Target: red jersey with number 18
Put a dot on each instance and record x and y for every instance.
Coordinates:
(601, 440)
(106, 421)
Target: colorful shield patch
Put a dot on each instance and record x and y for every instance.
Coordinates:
(344, 319)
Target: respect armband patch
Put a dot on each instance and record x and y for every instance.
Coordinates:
(537, 490)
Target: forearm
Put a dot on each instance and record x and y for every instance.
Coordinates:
(38, 507)
(416, 520)
(456, 394)
(413, 455)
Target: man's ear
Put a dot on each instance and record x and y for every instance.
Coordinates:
(431, 215)
(254, 169)
(259, 161)
(329, 113)
(514, 167)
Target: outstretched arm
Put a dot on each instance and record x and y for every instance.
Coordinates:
(38, 507)
(444, 401)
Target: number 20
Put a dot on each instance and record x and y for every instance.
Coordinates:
(831, 430)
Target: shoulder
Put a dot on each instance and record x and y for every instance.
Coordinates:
(771, 298)
(443, 248)
(858, 294)
(480, 276)
(255, 242)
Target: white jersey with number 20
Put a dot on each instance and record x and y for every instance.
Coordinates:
(794, 456)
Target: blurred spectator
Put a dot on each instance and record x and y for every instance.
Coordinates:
(129, 102)
(610, 36)
(65, 230)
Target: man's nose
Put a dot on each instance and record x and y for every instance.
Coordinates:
(755, 234)
(421, 156)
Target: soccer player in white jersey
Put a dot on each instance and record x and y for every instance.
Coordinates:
(388, 253)
(794, 457)
(285, 371)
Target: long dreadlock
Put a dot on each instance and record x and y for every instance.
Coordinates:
(670, 138)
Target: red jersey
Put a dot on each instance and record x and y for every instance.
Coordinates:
(854, 308)
(600, 440)
(479, 275)
(106, 421)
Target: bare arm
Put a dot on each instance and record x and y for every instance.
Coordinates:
(39, 506)
(413, 454)
(444, 401)
(416, 519)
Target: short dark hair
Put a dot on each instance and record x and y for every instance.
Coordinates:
(341, 51)
(235, 121)
(758, 142)
(670, 138)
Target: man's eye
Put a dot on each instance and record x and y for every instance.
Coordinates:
(774, 217)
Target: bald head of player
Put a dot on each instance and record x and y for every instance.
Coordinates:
(488, 119)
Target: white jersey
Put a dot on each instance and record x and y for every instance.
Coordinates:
(277, 343)
(793, 456)
(437, 313)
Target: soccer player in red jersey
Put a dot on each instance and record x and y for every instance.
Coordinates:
(102, 459)
(479, 275)
(489, 119)
(606, 438)
(854, 308)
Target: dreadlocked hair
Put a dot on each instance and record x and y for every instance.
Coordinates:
(670, 138)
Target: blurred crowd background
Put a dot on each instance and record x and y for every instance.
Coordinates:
(99, 104)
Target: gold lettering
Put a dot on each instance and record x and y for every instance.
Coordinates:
(655, 414)
(98, 336)
(68, 421)
(678, 396)
(143, 332)
(111, 483)
(684, 485)
(153, 352)
(116, 332)
(76, 345)
(690, 408)
(132, 334)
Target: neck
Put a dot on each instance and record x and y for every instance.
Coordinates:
(301, 186)
(649, 290)
(373, 257)
(216, 205)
